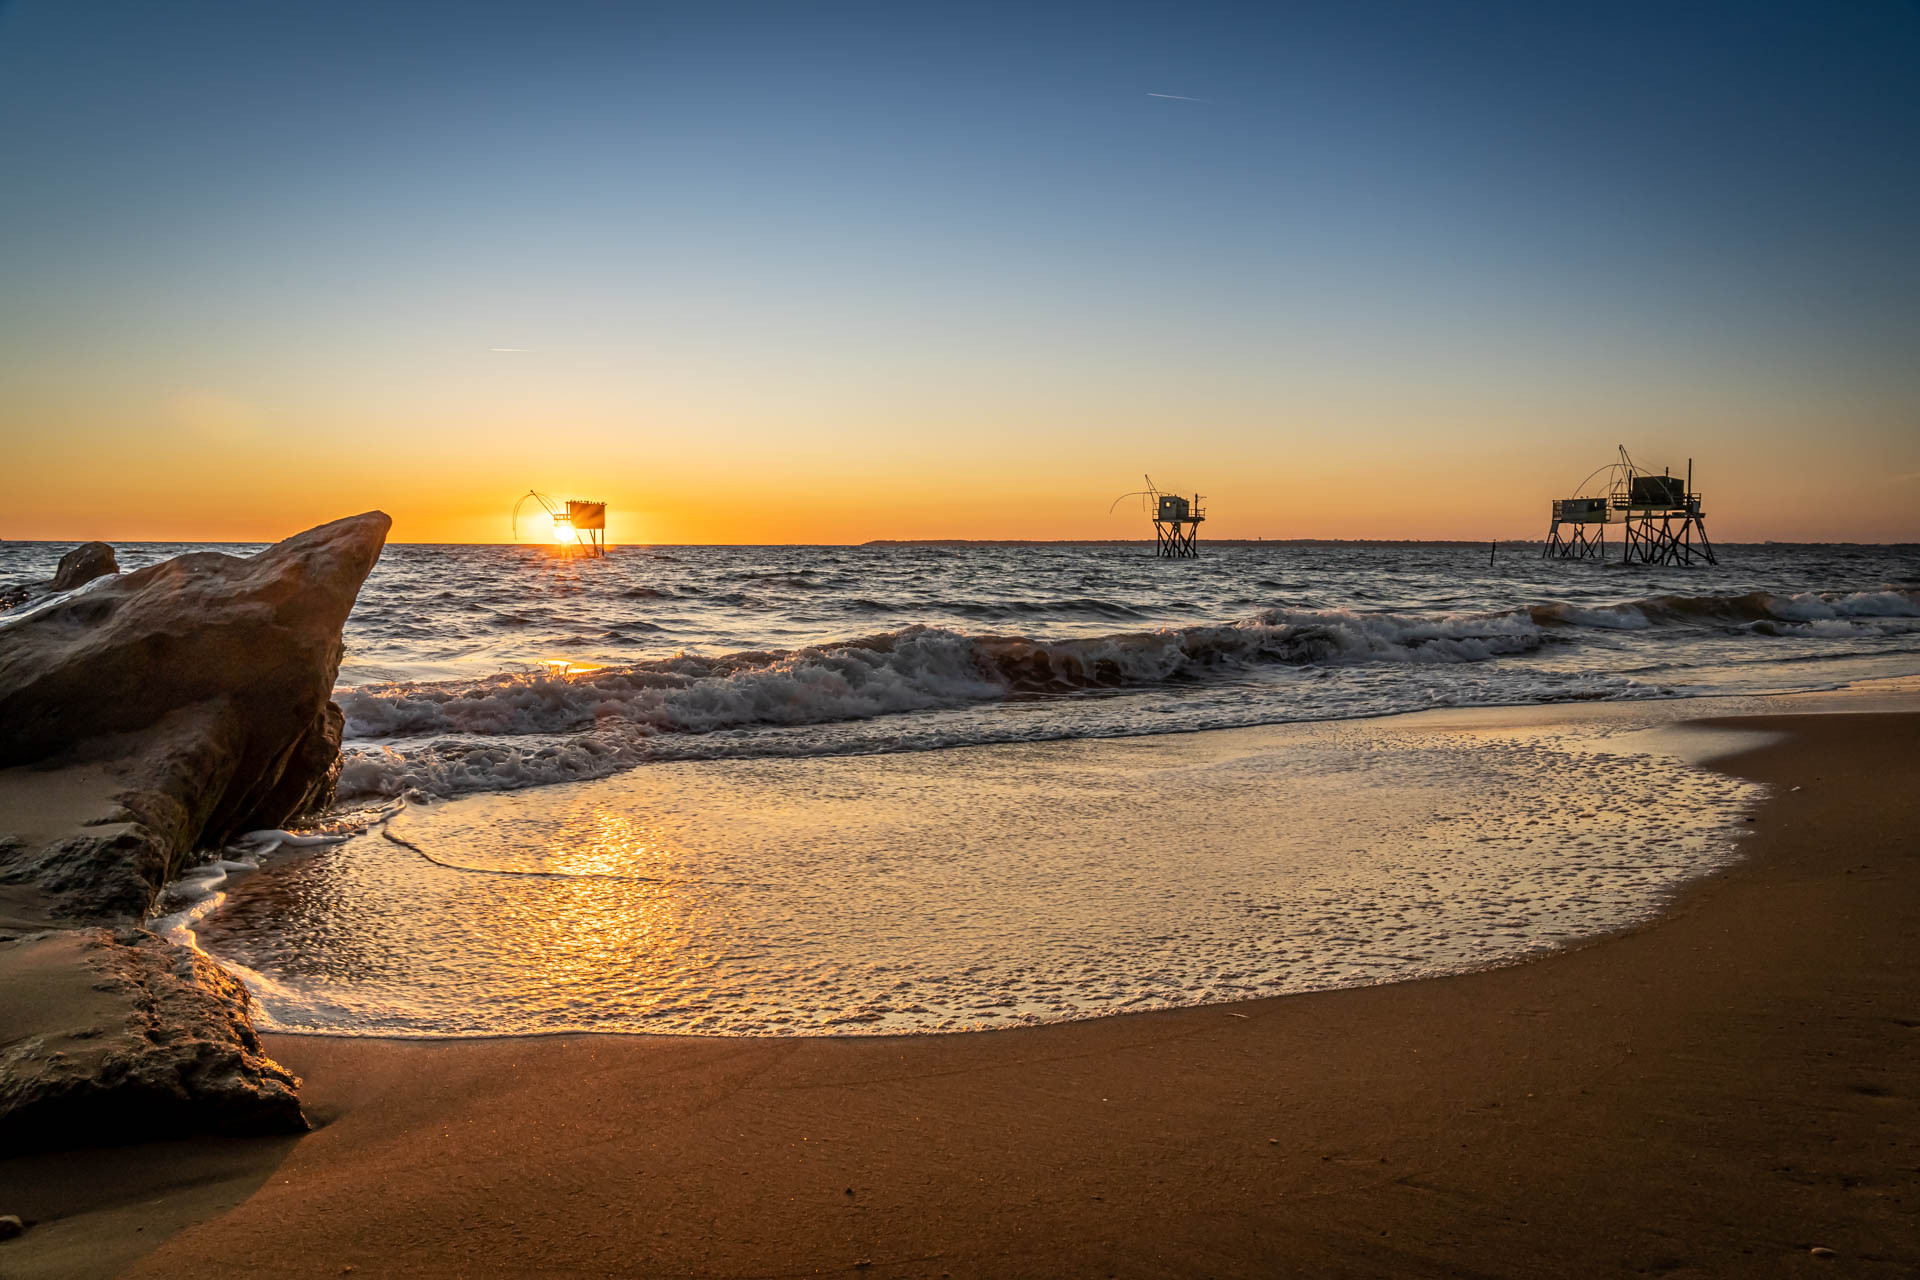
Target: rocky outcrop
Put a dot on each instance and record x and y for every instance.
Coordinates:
(204, 682)
(82, 565)
(143, 717)
(114, 1035)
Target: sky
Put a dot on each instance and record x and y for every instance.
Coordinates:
(825, 273)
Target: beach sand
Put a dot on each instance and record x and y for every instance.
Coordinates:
(1722, 1093)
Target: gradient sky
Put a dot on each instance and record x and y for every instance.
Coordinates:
(830, 273)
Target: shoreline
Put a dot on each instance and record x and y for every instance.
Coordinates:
(1058, 881)
(1722, 1089)
(1282, 809)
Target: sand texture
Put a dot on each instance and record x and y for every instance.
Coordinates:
(1723, 1093)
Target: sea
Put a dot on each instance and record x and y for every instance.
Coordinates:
(908, 788)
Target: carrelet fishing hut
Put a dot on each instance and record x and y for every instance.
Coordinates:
(1659, 517)
(577, 524)
(1176, 521)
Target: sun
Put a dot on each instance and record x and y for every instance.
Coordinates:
(562, 530)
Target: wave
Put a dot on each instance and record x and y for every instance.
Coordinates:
(1019, 609)
(526, 728)
(917, 667)
(1754, 608)
(913, 669)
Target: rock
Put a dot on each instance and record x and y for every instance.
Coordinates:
(10, 1226)
(82, 565)
(116, 1035)
(142, 718)
(202, 683)
(77, 568)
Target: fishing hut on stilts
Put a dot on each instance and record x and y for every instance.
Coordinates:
(1176, 521)
(1579, 515)
(577, 525)
(1659, 518)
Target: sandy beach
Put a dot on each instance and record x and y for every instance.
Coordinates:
(1730, 1091)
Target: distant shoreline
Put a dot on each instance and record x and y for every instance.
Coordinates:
(1147, 542)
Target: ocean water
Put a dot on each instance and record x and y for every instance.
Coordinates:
(900, 788)
(484, 668)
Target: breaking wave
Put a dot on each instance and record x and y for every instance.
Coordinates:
(913, 669)
(533, 727)
(917, 667)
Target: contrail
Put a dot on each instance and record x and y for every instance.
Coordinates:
(1178, 97)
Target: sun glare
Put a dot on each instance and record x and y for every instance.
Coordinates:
(562, 529)
(564, 667)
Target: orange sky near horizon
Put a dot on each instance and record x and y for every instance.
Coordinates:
(1776, 459)
(1281, 450)
(256, 484)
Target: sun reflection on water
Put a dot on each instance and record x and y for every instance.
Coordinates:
(567, 667)
(609, 842)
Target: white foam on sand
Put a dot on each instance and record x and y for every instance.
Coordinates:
(983, 887)
(195, 894)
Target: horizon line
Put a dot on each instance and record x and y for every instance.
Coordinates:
(950, 542)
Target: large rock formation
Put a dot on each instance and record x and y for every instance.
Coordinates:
(144, 717)
(202, 682)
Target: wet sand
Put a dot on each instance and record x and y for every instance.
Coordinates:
(1721, 1093)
